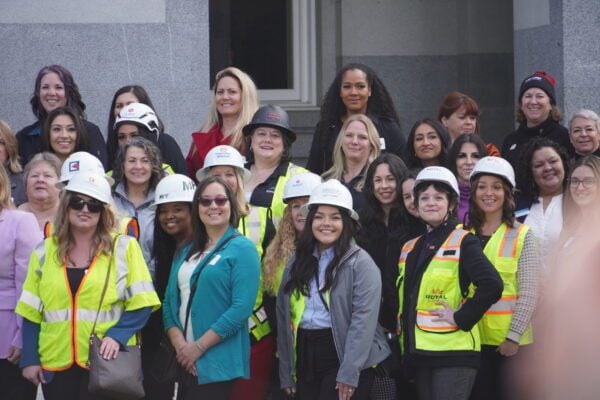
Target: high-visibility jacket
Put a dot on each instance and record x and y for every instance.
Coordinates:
(65, 320)
(503, 250)
(440, 282)
(129, 226)
(259, 226)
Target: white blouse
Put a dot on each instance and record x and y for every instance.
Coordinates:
(546, 224)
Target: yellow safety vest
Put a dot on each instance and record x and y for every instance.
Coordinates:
(440, 282)
(504, 250)
(254, 227)
(65, 320)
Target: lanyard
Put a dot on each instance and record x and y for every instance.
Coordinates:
(319, 289)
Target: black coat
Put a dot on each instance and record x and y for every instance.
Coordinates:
(171, 153)
(474, 267)
(513, 144)
(30, 142)
(321, 149)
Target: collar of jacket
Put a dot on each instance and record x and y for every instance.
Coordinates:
(120, 192)
(541, 129)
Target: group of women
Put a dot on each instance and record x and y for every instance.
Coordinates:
(396, 268)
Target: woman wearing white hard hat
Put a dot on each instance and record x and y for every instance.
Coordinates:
(83, 255)
(137, 119)
(172, 230)
(445, 285)
(328, 304)
(138, 171)
(228, 164)
(512, 248)
(82, 161)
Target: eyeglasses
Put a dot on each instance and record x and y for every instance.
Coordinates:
(219, 201)
(93, 205)
(586, 182)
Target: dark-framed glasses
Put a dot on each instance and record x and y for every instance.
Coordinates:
(586, 182)
(94, 206)
(219, 201)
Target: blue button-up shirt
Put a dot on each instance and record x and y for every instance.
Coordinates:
(315, 314)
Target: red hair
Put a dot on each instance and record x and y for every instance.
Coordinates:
(453, 102)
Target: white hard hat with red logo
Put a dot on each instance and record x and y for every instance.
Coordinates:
(331, 193)
(300, 185)
(79, 162)
(90, 184)
(138, 114)
(223, 155)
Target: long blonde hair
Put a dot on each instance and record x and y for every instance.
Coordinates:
(12, 163)
(280, 250)
(339, 159)
(248, 106)
(5, 195)
(64, 236)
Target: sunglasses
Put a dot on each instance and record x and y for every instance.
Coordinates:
(219, 201)
(93, 205)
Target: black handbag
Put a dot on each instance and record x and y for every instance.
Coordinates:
(119, 378)
(165, 367)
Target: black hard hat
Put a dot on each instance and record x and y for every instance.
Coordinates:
(272, 116)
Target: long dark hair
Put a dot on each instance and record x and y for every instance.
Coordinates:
(71, 92)
(305, 263)
(457, 146)
(411, 158)
(164, 248)
(477, 216)
(199, 234)
(81, 143)
(525, 182)
(112, 143)
(372, 209)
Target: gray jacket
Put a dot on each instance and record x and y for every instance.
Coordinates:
(145, 216)
(354, 300)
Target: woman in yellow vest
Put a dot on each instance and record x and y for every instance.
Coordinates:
(62, 293)
(513, 249)
(439, 308)
(328, 337)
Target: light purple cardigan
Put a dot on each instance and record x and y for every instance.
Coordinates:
(19, 234)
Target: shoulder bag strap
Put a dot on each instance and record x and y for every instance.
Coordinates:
(104, 288)
(195, 283)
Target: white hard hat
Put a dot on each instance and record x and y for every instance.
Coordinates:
(300, 185)
(79, 162)
(494, 166)
(331, 193)
(438, 174)
(138, 114)
(223, 155)
(174, 188)
(91, 184)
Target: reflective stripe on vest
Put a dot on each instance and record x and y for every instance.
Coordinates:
(407, 248)
(441, 282)
(503, 250)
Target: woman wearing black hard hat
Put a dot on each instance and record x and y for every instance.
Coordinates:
(269, 140)
(537, 115)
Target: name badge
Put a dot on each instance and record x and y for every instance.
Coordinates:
(215, 259)
(382, 143)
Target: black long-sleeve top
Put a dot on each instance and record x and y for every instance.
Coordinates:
(474, 267)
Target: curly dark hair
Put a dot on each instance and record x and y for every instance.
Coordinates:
(371, 209)
(71, 92)
(477, 216)
(112, 145)
(153, 154)
(409, 153)
(306, 264)
(525, 182)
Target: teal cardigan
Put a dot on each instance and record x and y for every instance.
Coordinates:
(224, 299)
